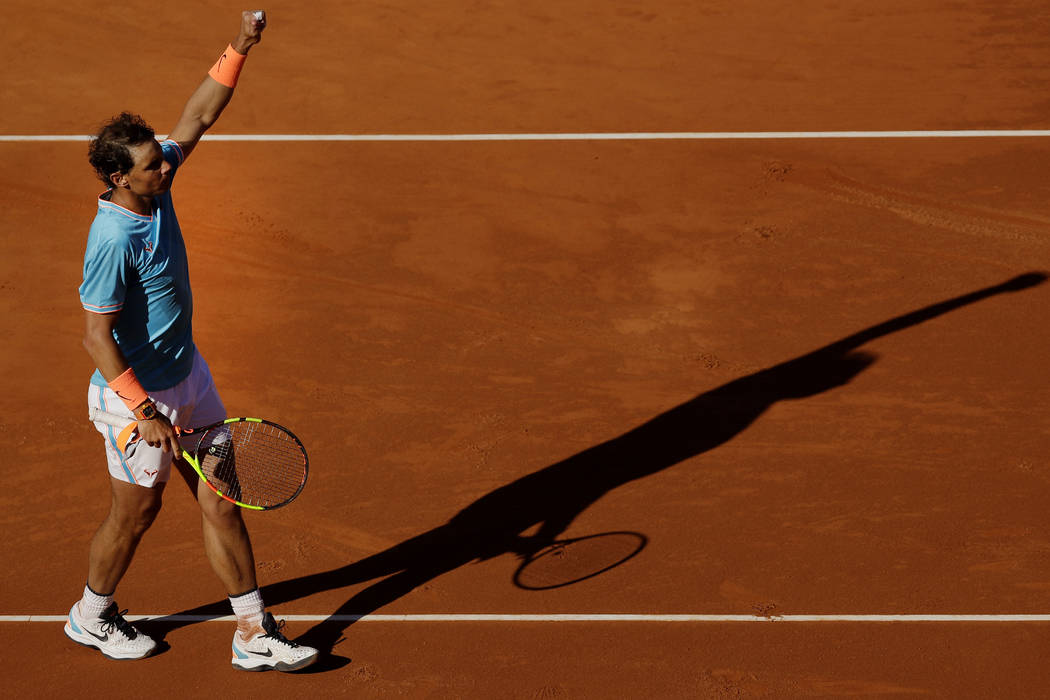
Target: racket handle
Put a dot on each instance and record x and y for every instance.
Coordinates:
(97, 415)
(129, 428)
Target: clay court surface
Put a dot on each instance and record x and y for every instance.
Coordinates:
(796, 368)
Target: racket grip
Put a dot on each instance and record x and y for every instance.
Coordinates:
(128, 428)
(97, 415)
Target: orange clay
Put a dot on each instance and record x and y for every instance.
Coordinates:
(228, 67)
(129, 390)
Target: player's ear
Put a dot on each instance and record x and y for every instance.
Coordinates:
(119, 179)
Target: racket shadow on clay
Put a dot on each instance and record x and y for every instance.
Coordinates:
(574, 560)
(546, 502)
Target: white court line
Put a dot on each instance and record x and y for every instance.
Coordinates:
(617, 136)
(573, 618)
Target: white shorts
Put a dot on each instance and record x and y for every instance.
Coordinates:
(192, 403)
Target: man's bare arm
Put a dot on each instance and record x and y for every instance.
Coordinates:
(211, 97)
(103, 348)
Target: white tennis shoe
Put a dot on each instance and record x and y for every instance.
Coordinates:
(269, 651)
(111, 634)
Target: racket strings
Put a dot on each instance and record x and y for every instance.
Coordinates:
(254, 463)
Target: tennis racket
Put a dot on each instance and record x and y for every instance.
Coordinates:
(250, 462)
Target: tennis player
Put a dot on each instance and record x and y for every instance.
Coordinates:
(136, 294)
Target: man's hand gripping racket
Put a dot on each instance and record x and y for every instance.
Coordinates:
(250, 462)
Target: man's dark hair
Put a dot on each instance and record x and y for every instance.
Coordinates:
(108, 152)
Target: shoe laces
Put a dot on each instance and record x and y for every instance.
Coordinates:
(114, 620)
(273, 631)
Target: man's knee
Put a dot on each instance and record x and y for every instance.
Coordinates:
(218, 510)
(135, 520)
(135, 508)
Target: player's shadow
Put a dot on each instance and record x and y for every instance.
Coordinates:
(546, 501)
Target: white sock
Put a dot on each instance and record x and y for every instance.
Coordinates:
(248, 607)
(92, 605)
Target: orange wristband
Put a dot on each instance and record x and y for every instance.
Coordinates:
(228, 67)
(127, 387)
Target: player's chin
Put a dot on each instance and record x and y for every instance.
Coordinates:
(164, 186)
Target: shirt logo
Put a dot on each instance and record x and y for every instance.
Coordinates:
(149, 247)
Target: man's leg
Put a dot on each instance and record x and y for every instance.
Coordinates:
(258, 643)
(226, 544)
(95, 620)
(132, 510)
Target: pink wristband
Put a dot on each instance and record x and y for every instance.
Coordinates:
(127, 387)
(228, 67)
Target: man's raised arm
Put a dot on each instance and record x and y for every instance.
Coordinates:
(206, 104)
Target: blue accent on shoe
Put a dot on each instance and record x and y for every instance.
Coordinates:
(73, 624)
(238, 653)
